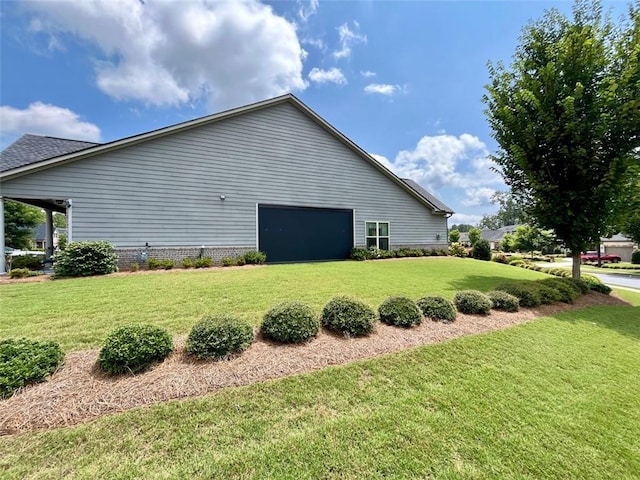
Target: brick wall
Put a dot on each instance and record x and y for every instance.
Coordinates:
(127, 256)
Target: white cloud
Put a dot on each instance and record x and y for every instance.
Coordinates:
(170, 53)
(458, 218)
(383, 161)
(348, 38)
(383, 89)
(307, 9)
(44, 119)
(367, 73)
(333, 75)
(478, 196)
(447, 161)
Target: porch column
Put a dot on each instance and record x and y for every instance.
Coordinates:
(3, 269)
(48, 253)
(69, 222)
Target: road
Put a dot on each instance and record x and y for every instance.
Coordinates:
(612, 279)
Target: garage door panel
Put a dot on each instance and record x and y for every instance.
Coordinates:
(294, 234)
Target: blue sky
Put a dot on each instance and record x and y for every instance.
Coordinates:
(403, 80)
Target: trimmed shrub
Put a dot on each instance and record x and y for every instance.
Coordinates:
(580, 284)
(219, 336)
(503, 301)
(482, 250)
(437, 308)
(22, 273)
(360, 254)
(240, 261)
(400, 311)
(548, 294)
(135, 266)
(526, 294)
(500, 258)
(635, 257)
(255, 257)
(516, 263)
(26, 261)
(228, 261)
(203, 262)
(188, 263)
(350, 317)
(472, 302)
(565, 287)
(457, 250)
(291, 322)
(24, 361)
(134, 348)
(595, 284)
(82, 259)
(157, 264)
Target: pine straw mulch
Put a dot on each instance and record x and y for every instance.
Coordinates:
(79, 392)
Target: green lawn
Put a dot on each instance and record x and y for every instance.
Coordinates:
(553, 398)
(79, 313)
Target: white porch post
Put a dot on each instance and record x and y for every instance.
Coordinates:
(48, 253)
(3, 268)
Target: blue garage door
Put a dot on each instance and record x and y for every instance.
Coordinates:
(300, 234)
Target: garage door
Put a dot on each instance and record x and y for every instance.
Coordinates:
(297, 234)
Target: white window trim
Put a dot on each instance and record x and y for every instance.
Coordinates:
(378, 237)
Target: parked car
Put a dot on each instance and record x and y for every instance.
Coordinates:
(604, 257)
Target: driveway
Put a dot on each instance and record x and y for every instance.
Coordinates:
(618, 279)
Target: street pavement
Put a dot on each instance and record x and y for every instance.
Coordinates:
(612, 279)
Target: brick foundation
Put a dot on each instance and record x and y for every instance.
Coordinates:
(127, 256)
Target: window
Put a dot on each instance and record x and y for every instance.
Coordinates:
(377, 235)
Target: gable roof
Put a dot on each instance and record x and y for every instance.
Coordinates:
(30, 149)
(429, 197)
(88, 149)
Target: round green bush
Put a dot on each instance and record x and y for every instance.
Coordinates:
(528, 296)
(400, 311)
(348, 316)
(82, 259)
(24, 361)
(635, 257)
(292, 322)
(134, 348)
(568, 290)
(580, 284)
(595, 284)
(482, 250)
(516, 263)
(437, 308)
(548, 294)
(472, 302)
(503, 301)
(219, 336)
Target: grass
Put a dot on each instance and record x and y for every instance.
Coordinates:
(554, 398)
(79, 313)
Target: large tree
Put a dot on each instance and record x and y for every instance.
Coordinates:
(566, 116)
(509, 212)
(19, 222)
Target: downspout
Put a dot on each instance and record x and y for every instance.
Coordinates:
(3, 269)
(69, 222)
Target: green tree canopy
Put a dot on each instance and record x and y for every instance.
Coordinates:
(19, 222)
(530, 239)
(454, 236)
(475, 234)
(509, 213)
(463, 227)
(566, 116)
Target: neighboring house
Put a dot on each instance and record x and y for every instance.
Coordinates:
(40, 236)
(494, 237)
(272, 176)
(618, 245)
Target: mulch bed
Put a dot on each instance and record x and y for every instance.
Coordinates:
(79, 392)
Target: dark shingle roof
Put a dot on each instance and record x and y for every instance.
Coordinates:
(427, 195)
(30, 149)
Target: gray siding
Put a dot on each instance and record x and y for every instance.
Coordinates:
(166, 191)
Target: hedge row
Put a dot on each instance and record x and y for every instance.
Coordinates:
(359, 253)
(135, 348)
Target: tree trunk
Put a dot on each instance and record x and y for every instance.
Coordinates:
(575, 272)
(599, 259)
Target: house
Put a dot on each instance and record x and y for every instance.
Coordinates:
(494, 237)
(40, 236)
(272, 176)
(618, 245)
